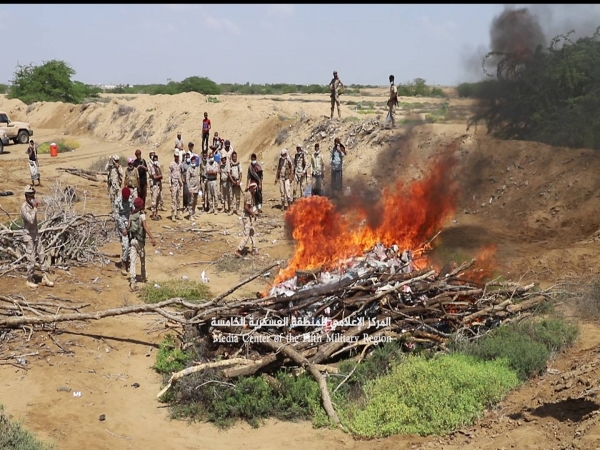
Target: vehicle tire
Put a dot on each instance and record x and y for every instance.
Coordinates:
(23, 137)
(15, 141)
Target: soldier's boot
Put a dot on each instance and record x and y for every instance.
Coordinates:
(331, 115)
(132, 285)
(125, 268)
(31, 284)
(46, 281)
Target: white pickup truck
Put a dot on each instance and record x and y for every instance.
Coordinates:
(18, 132)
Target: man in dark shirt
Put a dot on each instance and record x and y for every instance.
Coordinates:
(142, 168)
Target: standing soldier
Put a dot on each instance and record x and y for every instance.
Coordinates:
(248, 217)
(205, 131)
(137, 229)
(34, 163)
(336, 86)
(175, 185)
(393, 100)
(299, 172)
(225, 185)
(185, 165)
(122, 210)
(235, 180)
(285, 169)
(114, 179)
(142, 166)
(193, 180)
(204, 188)
(155, 174)
(212, 171)
(161, 202)
(131, 179)
(317, 169)
(255, 174)
(337, 158)
(179, 142)
(32, 239)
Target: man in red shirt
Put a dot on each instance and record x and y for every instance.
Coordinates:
(205, 131)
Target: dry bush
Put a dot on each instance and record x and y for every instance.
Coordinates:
(588, 302)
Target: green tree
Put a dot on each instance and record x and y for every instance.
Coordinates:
(48, 82)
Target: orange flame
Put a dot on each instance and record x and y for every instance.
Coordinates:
(408, 217)
(484, 266)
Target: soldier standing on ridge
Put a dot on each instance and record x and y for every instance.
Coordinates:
(335, 86)
(393, 100)
(205, 131)
(248, 218)
(32, 239)
(175, 185)
(114, 178)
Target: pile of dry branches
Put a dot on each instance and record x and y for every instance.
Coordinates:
(68, 236)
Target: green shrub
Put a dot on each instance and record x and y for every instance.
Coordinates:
(434, 396)
(527, 346)
(63, 145)
(14, 437)
(170, 358)
(193, 291)
(3, 88)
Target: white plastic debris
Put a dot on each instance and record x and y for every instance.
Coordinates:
(171, 253)
(274, 241)
(203, 277)
(156, 286)
(185, 278)
(76, 393)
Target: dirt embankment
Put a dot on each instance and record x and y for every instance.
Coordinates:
(535, 202)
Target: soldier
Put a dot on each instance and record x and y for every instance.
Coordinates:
(285, 169)
(248, 217)
(122, 210)
(179, 142)
(337, 158)
(185, 165)
(32, 239)
(335, 86)
(205, 131)
(161, 202)
(299, 172)
(34, 163)
(225, 185)
(317, 169)
(155, 174)
(142, 166)
(235, 180)
(393, 100)
(255, 174)
(212, 171)
(137, 229)
(175, 185)
(114, 178)
(193, 181)
(203, 164)
(131, 178)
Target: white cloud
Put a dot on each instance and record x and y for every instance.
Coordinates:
(281, 10)
(221, 24)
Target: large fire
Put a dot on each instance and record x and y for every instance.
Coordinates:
(484, 265)
(408, 217)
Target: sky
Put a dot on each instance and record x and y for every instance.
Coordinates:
(296, 44)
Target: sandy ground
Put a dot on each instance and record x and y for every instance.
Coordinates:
(534, 202)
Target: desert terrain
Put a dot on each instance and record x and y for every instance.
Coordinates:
(534, 202)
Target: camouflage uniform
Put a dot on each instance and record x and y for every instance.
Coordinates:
(334, 85)
(248, 223)
(235, 172)
(32, 239)
(137, 251)
(225, 186)
(193, 181)
(299, 174)
(131, 179)
(212, 186)
(176, 184)
(155, 186)
(284, 176)
(114, 180)
(392, 101)
(121, 213)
